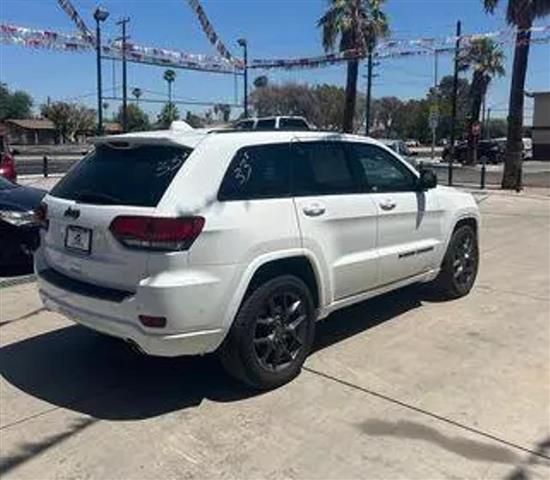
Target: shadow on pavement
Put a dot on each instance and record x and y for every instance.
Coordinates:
(470, 449)
(78, 369)
(30, 449)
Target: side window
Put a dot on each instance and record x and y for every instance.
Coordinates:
(382, 171)
(261, 171)
(266, 124)
(293, 124)
(321, 168)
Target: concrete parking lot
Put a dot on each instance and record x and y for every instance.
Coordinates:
(403, 386)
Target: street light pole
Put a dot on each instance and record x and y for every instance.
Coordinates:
(243, 43)
(100, 15)
(455, 88)
(122, 22)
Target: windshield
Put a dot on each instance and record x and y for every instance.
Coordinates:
(123, 175)
(5, 184)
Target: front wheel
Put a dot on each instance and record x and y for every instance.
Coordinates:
(460, 265)
(271, 335)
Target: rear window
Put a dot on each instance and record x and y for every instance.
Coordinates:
(266, 124)
(293, 124)
(123, 175)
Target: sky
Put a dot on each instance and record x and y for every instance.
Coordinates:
(273, 28)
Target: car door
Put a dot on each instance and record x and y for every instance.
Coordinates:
(337, 220)
(409, 221)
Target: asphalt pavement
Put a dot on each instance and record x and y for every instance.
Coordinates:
(402, 386)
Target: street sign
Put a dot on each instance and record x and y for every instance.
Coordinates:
(476, 129)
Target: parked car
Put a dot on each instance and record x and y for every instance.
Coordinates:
(527, 146)
(273, 123)
(7, 162)
(237, 242)
(401, 148)
(490, 151)
(19, 232)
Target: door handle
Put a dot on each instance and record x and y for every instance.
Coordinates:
(387, 204)
(314, 210)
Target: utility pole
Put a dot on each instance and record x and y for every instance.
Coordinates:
(434, 117)
(100, 15)
(244, 44)
(369, 93)
(455, 88)
(123, 22)
(488, 124)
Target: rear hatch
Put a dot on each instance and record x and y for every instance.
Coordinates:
(119, 178)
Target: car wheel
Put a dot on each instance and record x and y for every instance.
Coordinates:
(271, 335)
(460, 265)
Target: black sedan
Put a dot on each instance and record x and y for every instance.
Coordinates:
(489, 151)
(19, 234)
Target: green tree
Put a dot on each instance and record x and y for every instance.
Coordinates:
(16, 104)
(486, 59)
(167, 115)
(69, 119)
(137, 120)
(224, 110)
(170, 77)
(287, 99)
(354, 25)
(521, 14)
(443, 96)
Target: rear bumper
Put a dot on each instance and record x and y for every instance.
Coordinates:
(194, 317)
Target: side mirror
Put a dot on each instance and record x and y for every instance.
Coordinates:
(427, 180)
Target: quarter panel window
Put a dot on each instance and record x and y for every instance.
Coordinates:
(321, 168)
(382, 172)
(261, 171)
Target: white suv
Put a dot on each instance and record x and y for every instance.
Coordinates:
(184, 243)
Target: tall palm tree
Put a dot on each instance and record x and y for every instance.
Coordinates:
(355, 25)
(486, 59)
(170, 77)
(137, 92)
(521, 14)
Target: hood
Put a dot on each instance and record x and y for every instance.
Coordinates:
(21, 198)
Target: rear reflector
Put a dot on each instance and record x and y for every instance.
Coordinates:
(157, 233)
(152, 322)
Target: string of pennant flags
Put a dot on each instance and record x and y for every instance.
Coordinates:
(80, 42)
(71, 11)
(211, 34)
(396, 48)
(49, 39)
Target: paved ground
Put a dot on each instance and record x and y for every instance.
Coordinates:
(402, 386)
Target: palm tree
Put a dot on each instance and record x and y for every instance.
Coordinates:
(521, 14)
(357, 25)
(136, 92)
(169, 76)
(486, 59)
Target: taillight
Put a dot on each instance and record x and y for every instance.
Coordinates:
(41, 216)
(157, 233)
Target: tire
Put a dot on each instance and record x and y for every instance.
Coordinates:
(460, 265)
(271, 335)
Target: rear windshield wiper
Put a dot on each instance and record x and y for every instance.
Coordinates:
(96, 197)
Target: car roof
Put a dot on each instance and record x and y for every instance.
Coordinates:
(191, 138)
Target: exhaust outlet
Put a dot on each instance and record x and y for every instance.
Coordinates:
(134, 346)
